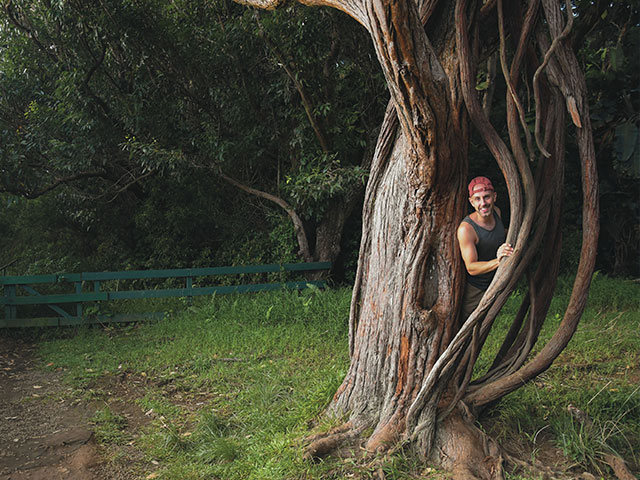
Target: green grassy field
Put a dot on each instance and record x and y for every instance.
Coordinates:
(230, 387)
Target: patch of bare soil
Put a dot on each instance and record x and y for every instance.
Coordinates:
(43, 434)
(45, 428)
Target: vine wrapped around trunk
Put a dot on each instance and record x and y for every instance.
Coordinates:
(411, 360)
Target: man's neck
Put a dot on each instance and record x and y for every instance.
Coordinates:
(487, 222)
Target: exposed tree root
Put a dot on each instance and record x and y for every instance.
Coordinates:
(466, 451)
(619, 467)
(547, 473)
(460, 448)
(328, 443)
(384, 438)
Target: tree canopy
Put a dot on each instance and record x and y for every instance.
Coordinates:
(102, 104)
(115, 99)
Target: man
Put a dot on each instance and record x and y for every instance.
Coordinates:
(482, 237)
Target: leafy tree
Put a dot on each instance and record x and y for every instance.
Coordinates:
(116, 92)
(327, 104)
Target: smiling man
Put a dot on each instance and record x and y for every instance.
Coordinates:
(482, 237)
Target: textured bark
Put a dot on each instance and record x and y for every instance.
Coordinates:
(411, 360)
(329, 231)
(409, 273)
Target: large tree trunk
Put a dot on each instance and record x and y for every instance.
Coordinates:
(409, 280)
(411, 360)
(404, 308)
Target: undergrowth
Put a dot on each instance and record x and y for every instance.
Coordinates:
(233, 385)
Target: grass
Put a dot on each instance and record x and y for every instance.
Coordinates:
(109, 427)
(588, 403)
(233, 384)
(259, 366)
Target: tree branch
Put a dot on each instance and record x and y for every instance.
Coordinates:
(26, 193)
(536, 76)
(566, 74)
(304, 96)
(14, 19)
(353, 8)
(303, 242)
(129, 184)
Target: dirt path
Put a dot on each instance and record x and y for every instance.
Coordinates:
(44, 432)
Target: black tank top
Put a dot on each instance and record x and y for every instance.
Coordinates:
(487, 247)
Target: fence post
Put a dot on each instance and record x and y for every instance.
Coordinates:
(189, 287)
(10, 311)
(79, 304)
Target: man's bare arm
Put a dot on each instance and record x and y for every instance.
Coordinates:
(467, 240)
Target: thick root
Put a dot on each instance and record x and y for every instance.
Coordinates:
(387, 436)
(324, 444)
(467, 452)
(460, 447)
(619, 467)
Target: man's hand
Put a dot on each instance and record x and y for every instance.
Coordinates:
(504, 250)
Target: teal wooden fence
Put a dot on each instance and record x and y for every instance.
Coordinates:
(74, 290)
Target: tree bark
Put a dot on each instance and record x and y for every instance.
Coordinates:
(411, 360)
(409, 276)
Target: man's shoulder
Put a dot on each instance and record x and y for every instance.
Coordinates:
(465, 229)
(467, 221)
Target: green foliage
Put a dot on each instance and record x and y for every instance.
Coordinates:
(52, 246)
(113, 107)
(151, 156)
(320, 180)
(608, 51)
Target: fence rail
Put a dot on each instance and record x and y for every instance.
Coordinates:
(20, 291)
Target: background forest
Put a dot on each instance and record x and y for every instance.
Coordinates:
(150, 134)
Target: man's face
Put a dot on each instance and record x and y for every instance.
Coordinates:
(483, 202)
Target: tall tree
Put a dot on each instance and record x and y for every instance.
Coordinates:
(105, 95)
(411, 360)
